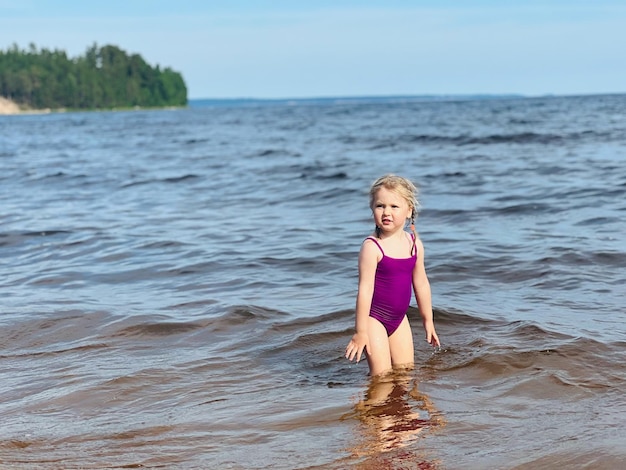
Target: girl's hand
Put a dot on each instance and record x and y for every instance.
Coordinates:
(431, 335)
(360, 342)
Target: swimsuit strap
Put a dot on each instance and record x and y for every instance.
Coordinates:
(413, 248)
(377, 244)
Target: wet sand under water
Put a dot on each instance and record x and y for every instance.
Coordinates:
(145, 392)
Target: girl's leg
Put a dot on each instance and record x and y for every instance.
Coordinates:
(379, 355)
(401, 345)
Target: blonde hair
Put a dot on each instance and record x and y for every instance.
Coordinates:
(405, 189)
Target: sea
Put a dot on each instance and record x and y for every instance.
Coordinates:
(178, 285)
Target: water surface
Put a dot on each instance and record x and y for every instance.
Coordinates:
(178, 286)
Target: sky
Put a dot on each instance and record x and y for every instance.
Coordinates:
(333, 48)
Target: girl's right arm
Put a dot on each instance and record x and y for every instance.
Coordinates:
(368, 260)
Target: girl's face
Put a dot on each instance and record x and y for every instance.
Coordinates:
(390, 210)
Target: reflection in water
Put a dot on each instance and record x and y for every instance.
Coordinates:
(393, 413)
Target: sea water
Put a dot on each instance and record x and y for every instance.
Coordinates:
(178, 286)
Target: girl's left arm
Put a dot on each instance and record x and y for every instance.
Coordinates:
(421, 287)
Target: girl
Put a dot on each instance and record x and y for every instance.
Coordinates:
(391, 261)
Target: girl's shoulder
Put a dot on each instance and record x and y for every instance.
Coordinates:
(371, 242)
(371, 247)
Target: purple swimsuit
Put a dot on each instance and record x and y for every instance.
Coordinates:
(392, 289)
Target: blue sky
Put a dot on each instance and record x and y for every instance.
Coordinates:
(324, 48)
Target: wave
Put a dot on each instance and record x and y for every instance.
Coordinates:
(273, 152)
(496, 349)
(515, 138)
(570, 257)
(287, 334)
(480, 348)
(170, 180)
(271, 364)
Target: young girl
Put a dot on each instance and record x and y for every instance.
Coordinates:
(391, 262)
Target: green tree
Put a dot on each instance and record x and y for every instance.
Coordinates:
(104, 77)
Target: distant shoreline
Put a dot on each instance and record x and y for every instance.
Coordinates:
(9, 107)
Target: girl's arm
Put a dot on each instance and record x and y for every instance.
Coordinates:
(368, 260)
(421, 287)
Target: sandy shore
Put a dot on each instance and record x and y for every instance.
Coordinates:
(8, 106)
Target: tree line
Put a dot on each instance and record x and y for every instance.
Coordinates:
(103, 78)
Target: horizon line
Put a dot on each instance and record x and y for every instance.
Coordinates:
(399, 97)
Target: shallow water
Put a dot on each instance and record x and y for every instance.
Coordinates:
(178, 286)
